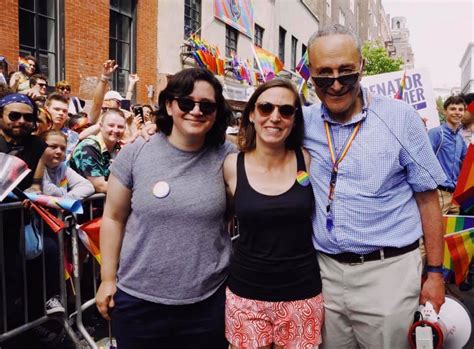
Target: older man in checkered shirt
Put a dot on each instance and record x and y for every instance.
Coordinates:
(374, 176)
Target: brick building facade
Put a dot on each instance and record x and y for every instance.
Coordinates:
(77, 39)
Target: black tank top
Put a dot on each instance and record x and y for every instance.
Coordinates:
(274, 258)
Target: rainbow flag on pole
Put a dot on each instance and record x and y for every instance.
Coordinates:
(461, 249)
(270, 64)
(303, 67)
(400, 91)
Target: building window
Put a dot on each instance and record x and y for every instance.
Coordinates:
(294, 47)
(328, 8)
(281, 44)
(122, 41)
(303, 49)
(192, 17)
(231, 36)
(258, 36)
(342, 17)
(37, 28)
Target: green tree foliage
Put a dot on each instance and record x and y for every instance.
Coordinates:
(377, 60)
(440, 108)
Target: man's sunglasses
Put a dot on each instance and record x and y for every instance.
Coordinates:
(15, 116)
(186, 104)
(327, 81)
(285, 110)
(42, 85)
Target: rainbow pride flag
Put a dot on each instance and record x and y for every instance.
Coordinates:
(464, 192)
(461, 249)
(453, 224)
(400, 91)
(270, 64)
(22, 63)
(303, 67)
(89, 233)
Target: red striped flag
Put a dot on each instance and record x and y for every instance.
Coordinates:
(464, 193)
(89, 233)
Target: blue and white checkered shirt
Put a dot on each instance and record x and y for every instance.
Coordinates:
(390, 159)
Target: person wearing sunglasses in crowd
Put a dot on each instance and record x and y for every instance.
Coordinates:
(374, 178)
(75, 104)
(274, 282)
(38, 86)
(20, 80)
(163, 274)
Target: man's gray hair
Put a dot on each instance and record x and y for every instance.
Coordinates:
(335, 29)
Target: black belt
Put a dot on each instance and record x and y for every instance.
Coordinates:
(386, 252)
(449, 190)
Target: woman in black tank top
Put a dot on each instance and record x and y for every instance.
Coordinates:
(274, 286)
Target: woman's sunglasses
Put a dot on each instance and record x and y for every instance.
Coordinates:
(327, 81)
(266, 108)
(15, 116)
(187, 104)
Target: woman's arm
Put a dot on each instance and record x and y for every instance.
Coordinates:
(108, 69)
(230, 179)
(117, 209)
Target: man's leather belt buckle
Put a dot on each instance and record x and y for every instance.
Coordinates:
(386, 252)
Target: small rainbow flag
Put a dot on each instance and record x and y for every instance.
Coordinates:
(22, 63)
(302, 178)
(461, 249)
(400, 91)
(270, 64)
(303, 67)
(89, 233)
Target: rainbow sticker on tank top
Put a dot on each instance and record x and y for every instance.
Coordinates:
(302, 178)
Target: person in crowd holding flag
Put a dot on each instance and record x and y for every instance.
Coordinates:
(374, 177)
(59, 179)
(274, 282)
(163, 274)
(467, 130)
(27, 67)
(450, 149)
(93, 155)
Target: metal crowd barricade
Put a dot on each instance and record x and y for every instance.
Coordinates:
(27, 323)
(91, 204)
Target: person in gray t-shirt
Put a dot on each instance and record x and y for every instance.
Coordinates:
(164, 245)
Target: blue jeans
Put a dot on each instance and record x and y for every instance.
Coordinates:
(137, 323)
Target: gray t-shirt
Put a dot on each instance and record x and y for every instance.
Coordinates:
(176, 249)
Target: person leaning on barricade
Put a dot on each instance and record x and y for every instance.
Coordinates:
(93, 155)
(18, 119)
(164, 244)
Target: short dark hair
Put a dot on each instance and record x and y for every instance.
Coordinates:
(55, 96)
(247, 134)
(453, 100)
(35, 77)
(182, 84)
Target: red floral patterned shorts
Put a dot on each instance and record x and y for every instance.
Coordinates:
(294, 325)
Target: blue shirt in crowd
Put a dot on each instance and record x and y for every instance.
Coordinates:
(450, 150)
(390, 159)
